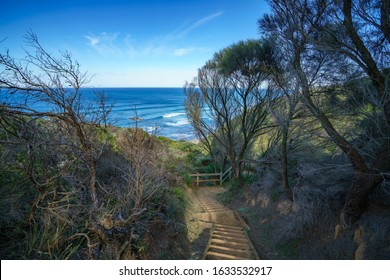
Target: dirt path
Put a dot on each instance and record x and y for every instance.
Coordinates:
(229, 240)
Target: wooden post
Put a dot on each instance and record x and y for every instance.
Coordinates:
(220, 179)
(197, 180)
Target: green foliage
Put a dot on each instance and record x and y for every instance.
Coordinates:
(174, 212)
(249, 178)
(209, 168)
(107, 135)
(165, 140)
(13, 175)
(186, 146)
(233, 189)
(247, 57)
(170, 166)
(180, 145)
(188, 179)
(178, 193)
(185, 158)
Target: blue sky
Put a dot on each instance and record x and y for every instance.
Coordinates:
(132, 43)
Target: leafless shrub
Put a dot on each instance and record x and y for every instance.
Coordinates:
(311, 214)
(56, 147)
(66, 203)
(131, 195)
(320, 172)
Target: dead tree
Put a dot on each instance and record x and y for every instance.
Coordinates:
(57, 83)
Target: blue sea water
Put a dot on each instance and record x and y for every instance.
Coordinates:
(160, 110)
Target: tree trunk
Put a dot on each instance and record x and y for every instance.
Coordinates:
(385, 21)
(365, 179)
(371, 68)
(284, 161)
(357, 197)
(92, 182)
(236, 168)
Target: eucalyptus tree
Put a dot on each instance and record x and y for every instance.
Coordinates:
(327, 44)
(227, 100)
(284, 107)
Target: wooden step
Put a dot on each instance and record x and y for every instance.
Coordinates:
(212, 204)
(230, 230)
(219, 226)
(231, 251)
(229, 238)
(221, 256)
(230, 244)
(213, 208)
(231, 233)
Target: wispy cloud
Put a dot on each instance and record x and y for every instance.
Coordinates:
(111, 44)
(104, 43)
(184, 30)
(185, 51)
(202, 21)
(150, 48)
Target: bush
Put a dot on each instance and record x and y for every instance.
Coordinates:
(233, 189)
(312, 214)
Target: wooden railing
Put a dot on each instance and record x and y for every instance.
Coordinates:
(212, 177)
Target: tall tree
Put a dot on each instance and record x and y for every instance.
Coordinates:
(283, 108)
(321, 39)
(227, 101)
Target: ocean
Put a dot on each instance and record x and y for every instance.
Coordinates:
(160, 110)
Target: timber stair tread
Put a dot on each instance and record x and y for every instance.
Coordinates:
(221, 256)
(231, 244)
(228, 240)
(221, 226)
(230, 234)
(215, 208)
(243, 250)
(230, 230)
(231, 251)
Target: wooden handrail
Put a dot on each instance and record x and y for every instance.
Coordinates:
(222, 177)
(205, 174)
